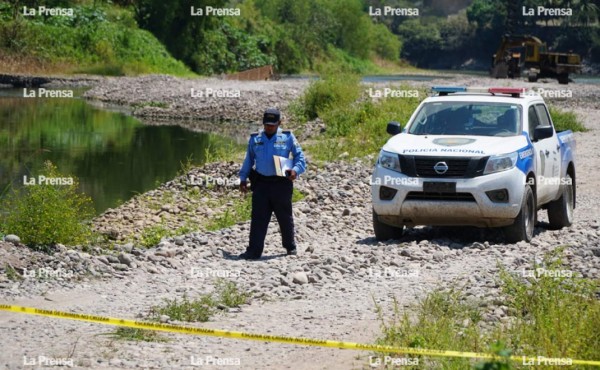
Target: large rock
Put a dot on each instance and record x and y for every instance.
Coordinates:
(300, 278)
(10, 238)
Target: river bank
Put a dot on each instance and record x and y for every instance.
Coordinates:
(328, 291)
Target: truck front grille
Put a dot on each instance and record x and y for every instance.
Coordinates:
(461, 167)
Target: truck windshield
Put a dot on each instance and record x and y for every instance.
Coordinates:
(467, 118)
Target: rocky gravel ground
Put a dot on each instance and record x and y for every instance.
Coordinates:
(329, 291)
(158, 96)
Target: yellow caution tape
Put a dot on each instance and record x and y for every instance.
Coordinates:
(282, 339)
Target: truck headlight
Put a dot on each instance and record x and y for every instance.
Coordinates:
(501, 162)
(389, 160)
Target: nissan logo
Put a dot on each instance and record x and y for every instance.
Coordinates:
(440, 168)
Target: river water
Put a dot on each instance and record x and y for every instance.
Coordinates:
(114, 155)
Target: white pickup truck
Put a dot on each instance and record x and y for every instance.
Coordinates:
(485, 157)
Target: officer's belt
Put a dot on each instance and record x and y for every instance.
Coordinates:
(264, 178)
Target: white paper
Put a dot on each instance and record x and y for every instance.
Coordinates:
(282, 164)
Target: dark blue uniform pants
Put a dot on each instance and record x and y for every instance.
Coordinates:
(269, 197)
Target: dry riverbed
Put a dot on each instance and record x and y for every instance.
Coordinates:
(328, 291)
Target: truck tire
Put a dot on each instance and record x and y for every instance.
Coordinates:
(522, 228)
(560, 211)
(563, 78)
(385, 232)
(532, 76)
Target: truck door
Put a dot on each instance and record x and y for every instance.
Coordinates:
(546, 156)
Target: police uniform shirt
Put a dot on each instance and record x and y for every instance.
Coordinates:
(261, 150)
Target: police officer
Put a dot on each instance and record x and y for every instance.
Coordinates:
(271, 193)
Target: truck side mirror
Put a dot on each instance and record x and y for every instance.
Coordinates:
(542, 132)
(394, 128)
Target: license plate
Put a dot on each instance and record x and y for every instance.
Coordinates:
(439, 187)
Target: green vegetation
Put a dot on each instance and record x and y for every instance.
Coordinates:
(11, 273)
(201, 309)
(354, 123)
(239, 211)
(156, 104)
(101, 39)
(44, 214)
(135, 37)
(554, 316)
(566, 121)
(152, 235)
(549, 316)
(136, 334)
(229, 295)
(294, 36)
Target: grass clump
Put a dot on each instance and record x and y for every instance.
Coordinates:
(185, 309)
(564, 120)
(240, 210)
(201, 309)
(549, 315)
(229, 295)
(11, 273)
(152, 235)
(140, 335)
(43, 214)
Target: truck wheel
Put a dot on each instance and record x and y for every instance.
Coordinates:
(563, 78)
(560, 211)
(522, 228)
(532, 76)
(385, 232)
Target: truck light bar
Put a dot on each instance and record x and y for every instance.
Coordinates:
(513, 91)
(445, 90)
(449, 89)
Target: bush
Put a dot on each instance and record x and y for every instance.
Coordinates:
(354, 122)
(332, 91)
(566, 121)
(43, 215)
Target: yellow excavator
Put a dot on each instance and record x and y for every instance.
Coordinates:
(529, 54)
